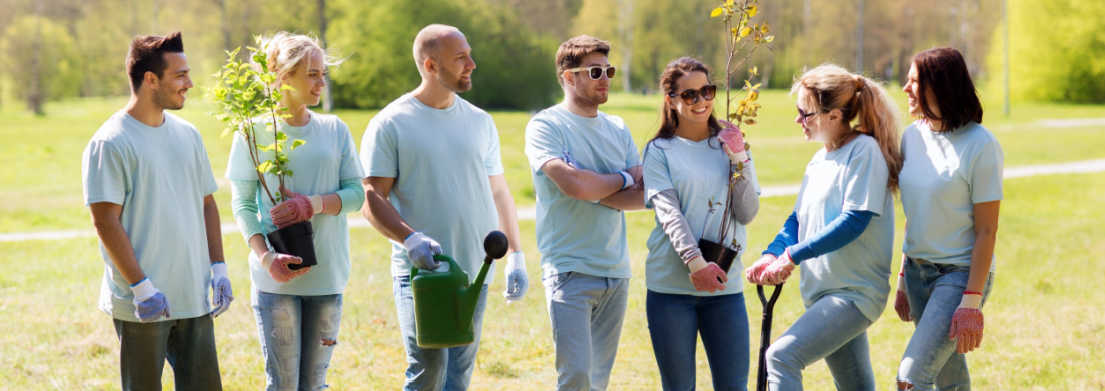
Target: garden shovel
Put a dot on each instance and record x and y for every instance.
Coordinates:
(765, 332)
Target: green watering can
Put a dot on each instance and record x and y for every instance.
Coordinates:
(444, 302)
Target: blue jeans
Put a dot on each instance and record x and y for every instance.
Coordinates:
(298, 335)
(586, 314)
(188, 345)
(674, 323)
(930, 361)
(435, 369)
(832, 328)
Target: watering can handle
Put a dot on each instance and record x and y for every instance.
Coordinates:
(440, 258)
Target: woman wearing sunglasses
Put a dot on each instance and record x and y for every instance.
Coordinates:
(702, 186)
(951, 191)
(841, 230)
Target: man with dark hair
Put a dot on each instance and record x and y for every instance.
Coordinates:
(586, 171)
(148, 184)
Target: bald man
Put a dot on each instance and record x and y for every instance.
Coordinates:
(435, 185)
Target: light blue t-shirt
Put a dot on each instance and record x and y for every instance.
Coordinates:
(944, 175)
(160, 175)
(326, 158)
(441, 160)
(573, 235)
(698, 172)
(853, 177)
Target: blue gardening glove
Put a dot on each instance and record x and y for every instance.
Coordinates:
(516, 280)
(421, 250)
(149, 303)
(220, 286)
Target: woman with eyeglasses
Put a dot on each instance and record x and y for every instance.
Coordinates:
(841, 230)
(951, 192)
(702, 185)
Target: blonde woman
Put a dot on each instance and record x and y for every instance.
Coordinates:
(298, 311)
(841, 230)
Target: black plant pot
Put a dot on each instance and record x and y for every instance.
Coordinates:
(296, 239)
(716, 253)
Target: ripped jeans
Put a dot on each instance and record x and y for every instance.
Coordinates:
(298, 335)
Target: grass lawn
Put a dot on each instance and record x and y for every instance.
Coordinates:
(1042, 326)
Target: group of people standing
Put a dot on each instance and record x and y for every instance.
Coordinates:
(429, 177)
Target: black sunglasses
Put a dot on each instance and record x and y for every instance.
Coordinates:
(803, 116)
(595, 71)
(690, 96)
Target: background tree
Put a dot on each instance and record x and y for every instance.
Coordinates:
(40, 56)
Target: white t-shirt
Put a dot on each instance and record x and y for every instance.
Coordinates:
(853, 177)
(944, 175)
(441, 160)
(160, 175)
(574, 235)
(318, 166)
(698, 171)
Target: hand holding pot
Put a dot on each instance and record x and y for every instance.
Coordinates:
(277, 265)
(295, 208)
(706, 276)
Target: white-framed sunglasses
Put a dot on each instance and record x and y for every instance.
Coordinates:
(595, 71)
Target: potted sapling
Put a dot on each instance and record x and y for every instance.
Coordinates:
(247, 96)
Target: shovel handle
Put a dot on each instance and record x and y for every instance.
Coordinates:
(769, 304)
(765, 332)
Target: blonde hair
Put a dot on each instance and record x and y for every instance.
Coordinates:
(285, 52)
(830, 87)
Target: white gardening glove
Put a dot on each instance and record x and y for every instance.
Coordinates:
(149, 303)
(220, 287)
(421, 250)
(516, 280)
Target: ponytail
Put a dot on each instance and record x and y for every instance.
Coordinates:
(861, 99)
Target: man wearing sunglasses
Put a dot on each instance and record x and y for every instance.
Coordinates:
(586, 171)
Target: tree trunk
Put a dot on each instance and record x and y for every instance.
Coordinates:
(327, 98)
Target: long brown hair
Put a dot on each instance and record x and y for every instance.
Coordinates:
(830, 87)
(669, 120)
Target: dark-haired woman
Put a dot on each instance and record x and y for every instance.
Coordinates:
(687, 167)
(951, 191)
(841, 231)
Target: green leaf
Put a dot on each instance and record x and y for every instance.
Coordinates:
(265, 166)
(297, 143)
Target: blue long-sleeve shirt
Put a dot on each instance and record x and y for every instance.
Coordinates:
(841, 231)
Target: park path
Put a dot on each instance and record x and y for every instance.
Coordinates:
(529, 213)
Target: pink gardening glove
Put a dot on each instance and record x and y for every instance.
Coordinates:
(733, 142)
(754, 272)
(277, 266)
(778, 270)
(706, 276)
(966, 327)
(295, 208)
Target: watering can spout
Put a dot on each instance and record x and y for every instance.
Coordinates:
(495, 245)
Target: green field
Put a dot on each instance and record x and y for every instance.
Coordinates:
(1042, 323)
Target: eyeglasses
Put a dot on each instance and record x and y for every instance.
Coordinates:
(690, 96)
(803, 116)
(595, 71)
